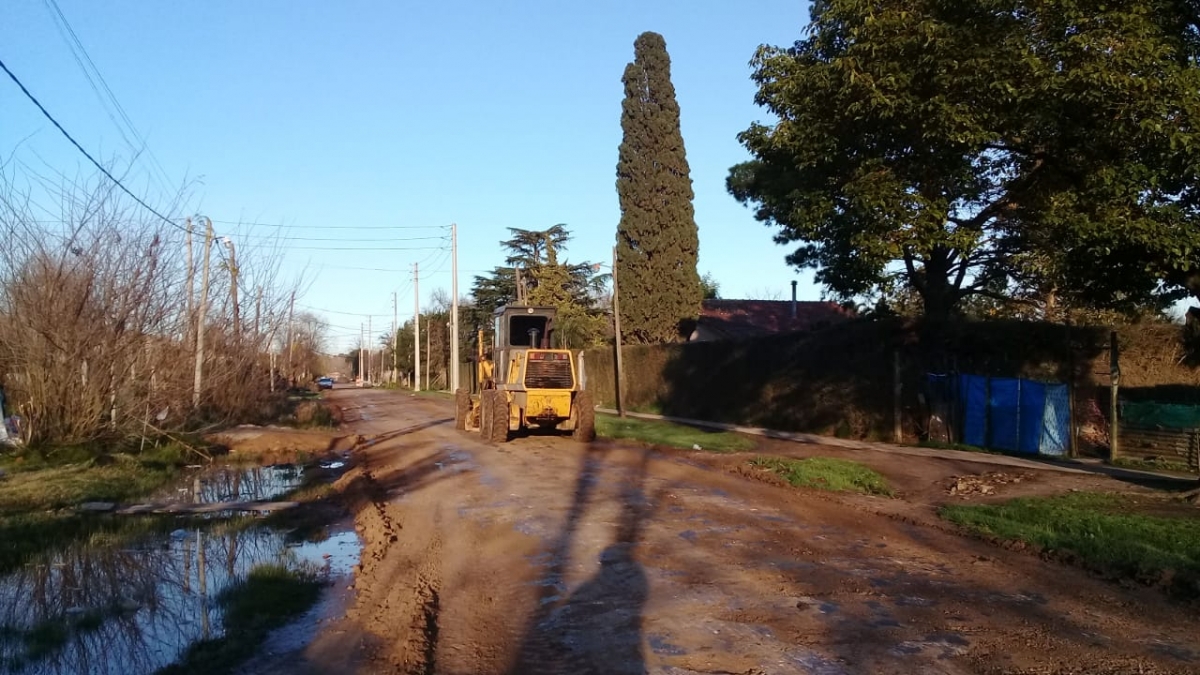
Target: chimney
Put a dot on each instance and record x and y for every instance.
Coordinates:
(793, 298)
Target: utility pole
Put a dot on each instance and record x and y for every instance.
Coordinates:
(257, 315)
(416, 327)
(370, 336)
(233, 289)
(395, 344)
(428, 357)
(291, 349)
(362, 342)
(198, 381)
(617, 330)
(454, 382)
(191, 282)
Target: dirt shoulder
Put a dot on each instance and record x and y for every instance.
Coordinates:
(548, 556)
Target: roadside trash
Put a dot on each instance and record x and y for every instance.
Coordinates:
(696, 446)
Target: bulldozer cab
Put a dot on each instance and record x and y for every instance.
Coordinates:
(520, 328)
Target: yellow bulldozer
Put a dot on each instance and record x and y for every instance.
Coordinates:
(524, 383)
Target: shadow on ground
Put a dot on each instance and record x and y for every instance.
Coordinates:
(597, 628)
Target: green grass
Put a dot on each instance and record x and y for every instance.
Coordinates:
(670, 434)
(827, 473)
(40, 491)
(1097, 528)
(270, 596)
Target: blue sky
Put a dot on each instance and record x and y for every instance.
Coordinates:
(372, 114)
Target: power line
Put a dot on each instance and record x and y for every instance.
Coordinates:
(369, 248)
(349, 240)
(79, 147)
(76, 47)
(333, 227)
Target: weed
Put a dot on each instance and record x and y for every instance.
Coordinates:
(1153, 464)
(827, 473)
(963, 447)
(671, 434)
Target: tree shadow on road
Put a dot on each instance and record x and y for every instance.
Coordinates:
(598, 627)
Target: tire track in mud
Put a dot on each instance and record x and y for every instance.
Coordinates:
(384, 598)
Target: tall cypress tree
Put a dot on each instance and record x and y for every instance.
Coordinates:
(657, 240)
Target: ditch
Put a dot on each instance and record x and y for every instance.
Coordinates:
(170, 593)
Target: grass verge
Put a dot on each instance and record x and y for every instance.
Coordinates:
(270, 596)
(671, 434)
(40, 487)
(1096, 530)
(827, 473)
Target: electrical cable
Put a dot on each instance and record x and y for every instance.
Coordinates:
(76, 46)
(79, 147)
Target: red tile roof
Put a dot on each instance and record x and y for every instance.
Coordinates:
(732, 319)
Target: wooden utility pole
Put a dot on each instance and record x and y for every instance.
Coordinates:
(428, 357)
(191, 283)
(362, 342)
(198, 381)
(1114, 370)
(370, 336)
(454, 357)
(291, 342)
(416, 327)
(395, 341)
(257, 315)
(617, 330)
(233, 290)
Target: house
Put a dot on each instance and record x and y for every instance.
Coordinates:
(741, 319)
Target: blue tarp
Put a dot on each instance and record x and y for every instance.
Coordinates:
(975, 409)
(1013, 414)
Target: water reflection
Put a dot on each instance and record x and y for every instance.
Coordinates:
(237, 484)
(111, 607)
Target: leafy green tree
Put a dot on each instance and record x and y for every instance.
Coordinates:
(657, 239)
(997, 148)
(710, 287)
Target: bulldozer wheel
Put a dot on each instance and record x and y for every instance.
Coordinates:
(585, 418)
(462, 408)
(498, 431)
(485, 414)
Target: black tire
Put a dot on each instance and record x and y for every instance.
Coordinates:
(462, 408)
(485, 414)
(498, 433)
(585, 418)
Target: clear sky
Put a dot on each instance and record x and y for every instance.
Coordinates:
(379, 114)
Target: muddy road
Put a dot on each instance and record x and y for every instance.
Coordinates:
(549, 556)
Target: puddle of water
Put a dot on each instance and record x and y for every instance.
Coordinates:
(236, 484)
(132, 603)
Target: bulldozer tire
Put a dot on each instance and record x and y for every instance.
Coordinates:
(485, 414)
(498, 431)
(462, 409)
(585, 418)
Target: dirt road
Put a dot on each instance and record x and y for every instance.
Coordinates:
(549, 556)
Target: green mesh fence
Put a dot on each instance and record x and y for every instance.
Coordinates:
(1160, 415)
